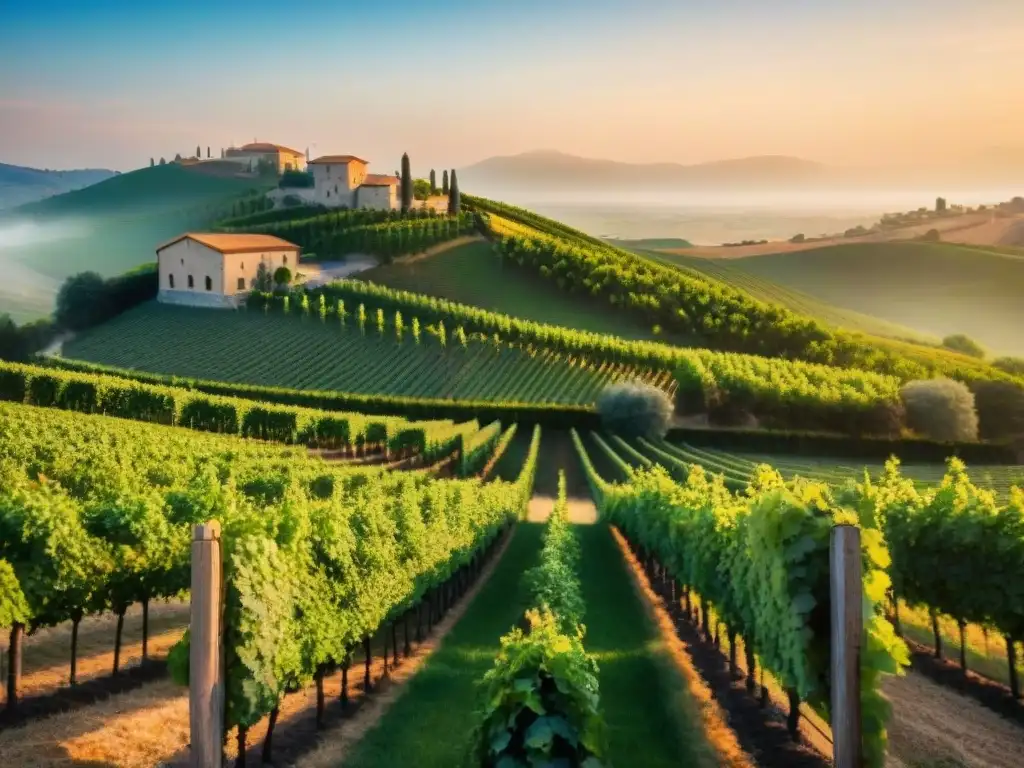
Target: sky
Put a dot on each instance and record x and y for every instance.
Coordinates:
(871, 83)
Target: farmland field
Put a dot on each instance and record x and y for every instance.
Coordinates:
(935, 289)
(473, 274)
(731, 272)
(837, 471)
(308, 353)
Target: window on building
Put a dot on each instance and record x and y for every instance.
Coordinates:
(183, 262)
(335, 189)
(328, 193)
(209, 283)
(241, 283)
(191, 282)
(170, 280)
(285, 259)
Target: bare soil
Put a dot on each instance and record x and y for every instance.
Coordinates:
(149, 726)
(46, 653)
(932, 724)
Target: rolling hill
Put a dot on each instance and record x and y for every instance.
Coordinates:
(935, 289)
(20, 185)
(108, 228)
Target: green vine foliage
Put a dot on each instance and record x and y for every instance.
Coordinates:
(955, 549)
(13, 606)
(541, 701)
(553, 582)
(97, 513)
(760, 558)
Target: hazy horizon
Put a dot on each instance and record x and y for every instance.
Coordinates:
(907, 84)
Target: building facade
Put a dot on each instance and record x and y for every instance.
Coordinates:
(341, 181)
(281, 158)
(218, 270)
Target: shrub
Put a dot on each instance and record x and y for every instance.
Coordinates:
(964, 345)
(296, 179)
(1000, 407)
(635, 409)
(1014, 365)
(941, 409)
(931, 236)
(282, 276)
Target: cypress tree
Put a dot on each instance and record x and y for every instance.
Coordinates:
(444, 182)
(406, 184)
(433, 182)
(453, 196)
(152, 162)
(199, 152)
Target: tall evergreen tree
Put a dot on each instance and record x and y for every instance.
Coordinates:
(199, 152)
(453, 196)
(433, 181)
(152, 162)
(444, 182)
(207, 152)
(406, 184)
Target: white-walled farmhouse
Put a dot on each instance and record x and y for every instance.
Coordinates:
(218, 270)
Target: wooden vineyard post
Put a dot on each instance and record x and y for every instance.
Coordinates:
(206, 688)
(847, 634)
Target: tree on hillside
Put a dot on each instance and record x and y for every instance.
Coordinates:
(433, 181)
(199, 152)
(82, 302)
(454, 203)
(162, 161)
(152, 162)
(177, 157)
(444, 182)
(207, 152)
(799, 238)
(940, 205)
(406, 183)
(965, 345)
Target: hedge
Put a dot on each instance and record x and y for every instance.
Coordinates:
(842, 446)
(413, 408)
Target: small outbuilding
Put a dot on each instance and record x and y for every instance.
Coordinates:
(218, 270)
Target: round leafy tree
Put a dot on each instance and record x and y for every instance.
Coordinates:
(635, 409)
(282, 276)
(941, 409)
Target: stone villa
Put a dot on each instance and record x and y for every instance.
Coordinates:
(281, 158)
(342, 181)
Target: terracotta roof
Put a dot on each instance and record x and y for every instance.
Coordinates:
(376, 180)
(232, 243)
(338, 160)
(263, 146)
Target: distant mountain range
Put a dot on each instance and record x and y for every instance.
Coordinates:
(19, 185)
(552, 170)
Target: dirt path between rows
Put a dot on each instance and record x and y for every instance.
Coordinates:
(581, 511)
(335, 743)
(931, 723)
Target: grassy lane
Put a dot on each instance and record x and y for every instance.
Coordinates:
(430, 724)
(644, 726)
